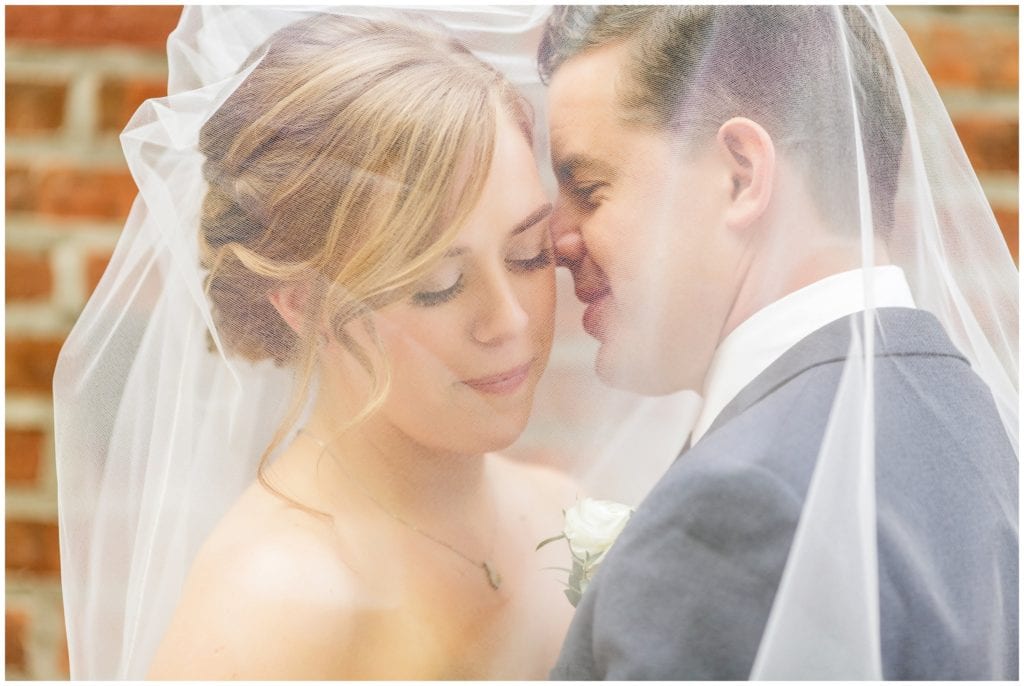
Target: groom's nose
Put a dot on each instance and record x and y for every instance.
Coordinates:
(566, 237)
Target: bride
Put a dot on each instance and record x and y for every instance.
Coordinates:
(400, 545)
(373, 221)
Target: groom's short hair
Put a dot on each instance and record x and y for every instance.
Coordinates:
(778, 66)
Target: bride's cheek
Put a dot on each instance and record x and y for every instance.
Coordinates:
(542, 309)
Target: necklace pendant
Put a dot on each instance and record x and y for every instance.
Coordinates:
(493, 578)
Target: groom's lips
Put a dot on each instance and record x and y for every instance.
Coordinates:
(597, 304)
(592, 289)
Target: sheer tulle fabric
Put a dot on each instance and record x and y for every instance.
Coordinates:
(159, 428)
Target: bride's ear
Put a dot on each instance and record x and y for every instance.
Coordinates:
(750, 159)
(290, 300)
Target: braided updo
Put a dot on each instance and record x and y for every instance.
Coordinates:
(344, 162)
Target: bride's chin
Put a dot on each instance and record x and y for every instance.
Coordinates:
(491, 422)
(505, 428)
(508, 434)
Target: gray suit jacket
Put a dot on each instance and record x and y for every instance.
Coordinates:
(687, 589)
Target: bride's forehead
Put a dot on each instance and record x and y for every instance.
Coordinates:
(512, 188)
(511, 224)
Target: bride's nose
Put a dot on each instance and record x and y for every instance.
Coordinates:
(500, 314)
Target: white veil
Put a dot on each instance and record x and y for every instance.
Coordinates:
(946, 240)
(860, 131)
(158, 431)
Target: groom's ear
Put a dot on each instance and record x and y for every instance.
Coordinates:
(749, 156)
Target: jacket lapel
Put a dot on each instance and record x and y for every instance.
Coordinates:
(898, 331)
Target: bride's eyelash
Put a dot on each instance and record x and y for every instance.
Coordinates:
(542, 260)
(433, 298)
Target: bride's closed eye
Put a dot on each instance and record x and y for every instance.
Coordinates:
(431, 298)
(533, 255)
(541, 260)
(528, 250)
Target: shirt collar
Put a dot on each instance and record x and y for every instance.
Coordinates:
(760, 340)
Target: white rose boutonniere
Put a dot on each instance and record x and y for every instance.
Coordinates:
(591, 527)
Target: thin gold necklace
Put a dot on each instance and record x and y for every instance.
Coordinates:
(493, 577)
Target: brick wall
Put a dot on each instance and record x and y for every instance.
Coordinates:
(971, 54)
(75, 75)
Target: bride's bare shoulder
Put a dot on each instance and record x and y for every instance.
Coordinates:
(270, 595)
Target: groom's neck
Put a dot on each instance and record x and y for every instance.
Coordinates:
(778, 270)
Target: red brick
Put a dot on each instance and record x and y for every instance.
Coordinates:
(23, 450)
(1009, 222)
(963, 55)
(33, 108)
(32, 547)
(20, 189)
(30, 363)
(15, 638)
(70, 192)
(1009, 10)
(98, 193)
(119, 98)
(29, 276)
(145, 27)
(95, 265)
(991, 142)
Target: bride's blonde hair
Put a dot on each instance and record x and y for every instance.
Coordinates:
(342, 166)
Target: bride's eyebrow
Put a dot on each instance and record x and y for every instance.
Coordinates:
(535, 216)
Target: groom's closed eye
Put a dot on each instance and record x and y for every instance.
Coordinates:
(581, 177)
(585, 194)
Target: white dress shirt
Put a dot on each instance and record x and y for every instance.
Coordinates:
(760, 340)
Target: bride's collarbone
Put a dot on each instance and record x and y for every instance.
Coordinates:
(424, 616)
(443, 555)
(428, 601)
(415, 608)
(423, 609)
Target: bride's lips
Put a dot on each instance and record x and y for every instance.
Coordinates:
(504, 383)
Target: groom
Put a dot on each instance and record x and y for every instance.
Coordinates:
(676, 252)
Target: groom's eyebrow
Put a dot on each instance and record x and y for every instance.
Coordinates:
(535, 216)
